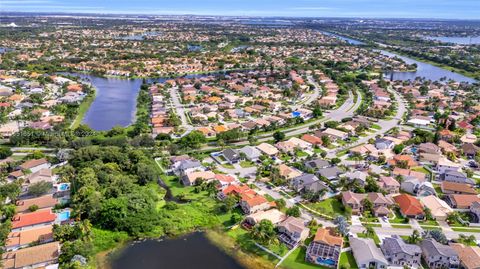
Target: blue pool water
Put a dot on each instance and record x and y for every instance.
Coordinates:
(63, 216)
(325, 261)
(64, 187)
(296, 114)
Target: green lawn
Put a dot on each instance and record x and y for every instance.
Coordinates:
(398, 226)
(347, 259)
(301, 154)
(296, 260)
(376, 126)
(246, 164)
(466, 229)
(398, 218)
(228, 166)
(331, 207)
(245, 242)
(428, 222)
(374, 237)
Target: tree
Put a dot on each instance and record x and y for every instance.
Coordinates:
(342, 225)
(146, 173)
(414, 237)
(230, 202)
(33, 208)
(193, 140)
(293, 211)
(278, 136)
(39, 188)
(334, 161)
(398, 148)
(264, 232)
(280, 203)
(5, 152)
(438, 235)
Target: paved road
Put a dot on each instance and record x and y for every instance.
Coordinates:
(312, 97)
(385, 125)
(180, 110)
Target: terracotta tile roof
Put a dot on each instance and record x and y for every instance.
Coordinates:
(457, 187)
(42, 202)
(32, 255)
(256, 200)
(464, 200)
(326, 236)
(469, 256)
(29, 236)
(409, 205)
(32, 163)
(27, 219)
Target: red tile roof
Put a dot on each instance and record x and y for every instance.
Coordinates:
(409, 205)
(28, 219)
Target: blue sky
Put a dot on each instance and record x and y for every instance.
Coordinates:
(448, 9)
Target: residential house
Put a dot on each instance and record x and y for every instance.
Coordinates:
(428, 148)
(307, 182)
(330, 173)
(357, 176)
(316, 164)
(456, 176)
(366, 253)
(382, 144)
(288, 172)
(325, 248)
(444, 164)
(438, 256)
(33, 219)
(335, 134)
(410, 207)
(438, 208)
(45, 201)
(232, 156)
(470, 150)
(457, 188)
(292, 231)
(191, 178)
(461, 201)
(469, 255)
(21, 239)
(267, 149)
(35, 165)
(39, 256)
(254, 204)
(273, 215)
(402, 160)
(312, 139)
(355, 202)
(389, 184)
(398, 253)
(251, 153)
(475, 211)
(184, 167)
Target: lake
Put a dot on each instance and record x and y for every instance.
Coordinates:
(193, 251)
(460, 40)
(115, 103)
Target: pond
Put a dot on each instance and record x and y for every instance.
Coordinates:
(460, 40)
(193, 251)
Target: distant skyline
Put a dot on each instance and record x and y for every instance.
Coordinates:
(442, 9)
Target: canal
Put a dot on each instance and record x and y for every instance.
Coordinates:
(424, 70)
(193, 251)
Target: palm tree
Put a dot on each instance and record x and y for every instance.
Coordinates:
(414, 238)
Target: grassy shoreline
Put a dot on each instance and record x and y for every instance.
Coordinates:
(83, 108)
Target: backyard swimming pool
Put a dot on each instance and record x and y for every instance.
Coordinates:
(63, 216)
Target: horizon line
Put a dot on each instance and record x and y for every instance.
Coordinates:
(232, 16)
